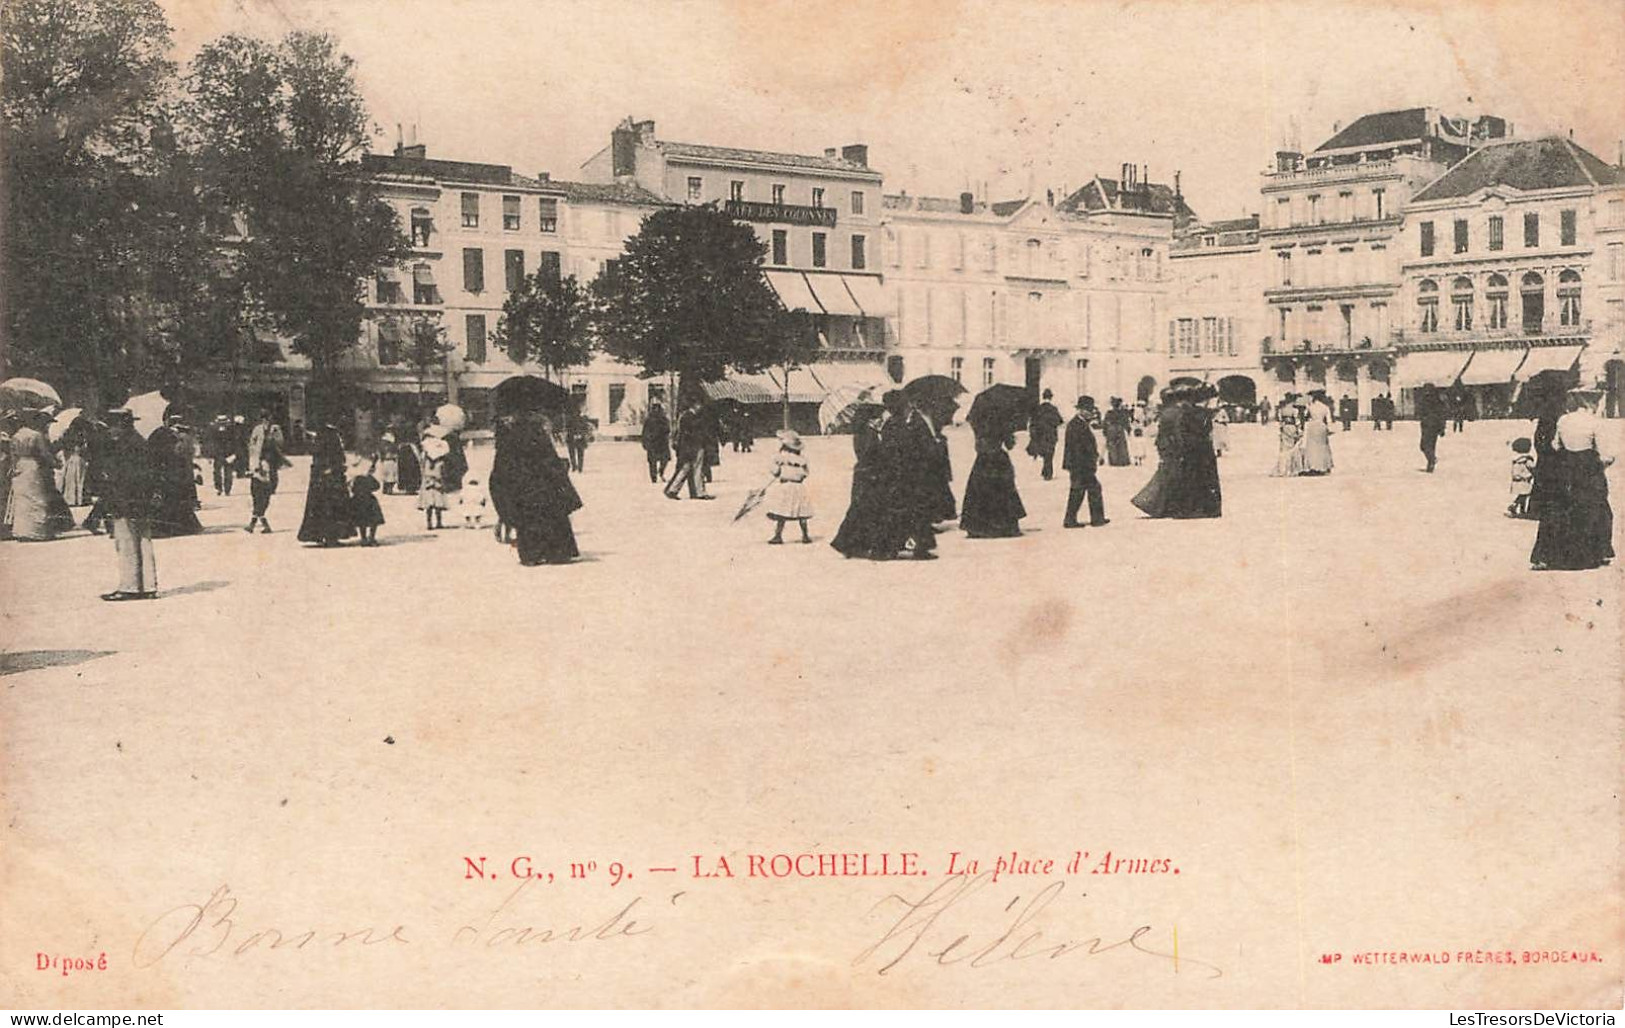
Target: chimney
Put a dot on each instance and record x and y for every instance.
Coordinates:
(1145, 178)
(1337, 127)
(831, 152)
(967, 203)
(1125, 177)
(857, 153)
(544, 176)
(645, 131)
(623, 150)
(412, 152)
(1049, 197)
(1176, 183)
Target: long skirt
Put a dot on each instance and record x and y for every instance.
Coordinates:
(74, 477)
(1317, 448)
(1117, 447)
(389, 471)
(1576, 521)
(546, 538)
(1181, 488)
(863, 532)
(411, 472)
(177, 508)
(327, 511)
(992, 507)
(30, 506)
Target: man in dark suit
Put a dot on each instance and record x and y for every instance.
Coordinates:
(1080, 461)
(657, 441)
(1042, 429)
(690, 443)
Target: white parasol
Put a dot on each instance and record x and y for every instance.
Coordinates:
(148, 410)
(62, 422)
(28, 394)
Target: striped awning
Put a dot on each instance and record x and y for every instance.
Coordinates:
(1489, 367)
(745, 389)
(1548, 358)
(793, 291)
(1430, 367)
(833, 295)
(804, 388)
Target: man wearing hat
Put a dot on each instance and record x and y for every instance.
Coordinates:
(1043, 428)
(219, 445)
(128, 485)
(1080, 461)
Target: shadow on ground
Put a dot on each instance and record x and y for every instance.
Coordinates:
(33, 660)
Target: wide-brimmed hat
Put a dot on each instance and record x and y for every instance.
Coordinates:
(789, 439)
(120, 416)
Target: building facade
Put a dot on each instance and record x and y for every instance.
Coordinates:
(1327, 228)
(1061, 295)
(1216, 323)
(1507, 270)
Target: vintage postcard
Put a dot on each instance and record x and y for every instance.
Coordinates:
(945, 504)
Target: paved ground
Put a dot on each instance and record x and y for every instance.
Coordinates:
(1347, 712)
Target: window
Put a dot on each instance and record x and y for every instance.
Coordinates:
(1376, 203)
(471, 210)
(510, 214)
(578, 395)
(1187, 342)
(1568, 298)
(1616, 213)
(1566, 227)
(1616, 262)
(617, 400)
(1532, 293)
(1461, 301)
(736, 190)
(778, 194)
(1347, 311)
(857, 201)
(474, 329)
(818, 240)
(1314, 209)
(422, 226)
(389, 341)
(474, 270)
(1080, 375)
(781, 246)
(1531, 229)
(1461, 235)
(657, 393)
(550, 267)
(1426, 228)
(1497, 232)
(1283, 212)
(1427, 300)
(818, 196)
(1495, 297)
(1285, 324)
(860, 255)
(696, 187)
(956, 369)
(548, 209)
(923, 241)
(987, 371)
(424, 291)
(1211, 343)
(1345, 205)
(389, 290)
(1284, 262)
(513, 268)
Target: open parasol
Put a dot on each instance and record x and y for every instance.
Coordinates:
(148, 410)
(847, 405)
(62, 422)
(528, 393)
(27, 394)
(1000, 409)
(451, 416)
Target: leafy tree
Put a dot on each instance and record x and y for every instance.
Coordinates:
(426, 349)
(280, 129)
(688, 298)
(94, 265)
(548, 320)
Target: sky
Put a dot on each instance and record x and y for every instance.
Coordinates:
(1006, 97)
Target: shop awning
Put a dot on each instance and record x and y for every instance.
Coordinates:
(1548, 358)
(833, 294)
(1430, 367)
(803, 387)
(856, 376)
(793, 291)
(865, 289)
(745, 389)
(1492, 367)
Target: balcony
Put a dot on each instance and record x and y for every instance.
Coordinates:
(1405, 164)
(1270, 348)
(781, 213)
(1549, 333)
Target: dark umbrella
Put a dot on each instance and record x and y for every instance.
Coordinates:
(529, 393)
(1544, 389)
(935, 394)
(1001, 409)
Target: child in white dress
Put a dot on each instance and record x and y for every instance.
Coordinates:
(787, 498)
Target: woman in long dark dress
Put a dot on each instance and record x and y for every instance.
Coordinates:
(1186, 483)
(863, 530)
(1576, 521)
(409, 473)
(992, 508)
(1116, 425)
(327, 500)
(171, 454)
(531, 490)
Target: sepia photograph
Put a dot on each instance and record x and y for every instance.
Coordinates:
(449, 449)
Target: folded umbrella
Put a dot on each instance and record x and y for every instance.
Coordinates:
(753, 499)
(27, 394)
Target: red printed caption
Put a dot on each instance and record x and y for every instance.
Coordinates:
(69, 965)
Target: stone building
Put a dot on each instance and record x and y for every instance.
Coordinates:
(1216, 320)
(1508, 271)
(1327, 229)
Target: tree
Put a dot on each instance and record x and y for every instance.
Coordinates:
(95, 268)
(280, 130)
(688, 298)
(426, 349)
(548, 320)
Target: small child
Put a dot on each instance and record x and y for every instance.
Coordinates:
(471, 503)
(1523, 478)
(364, 508)
(432, 490)
(787, 498)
